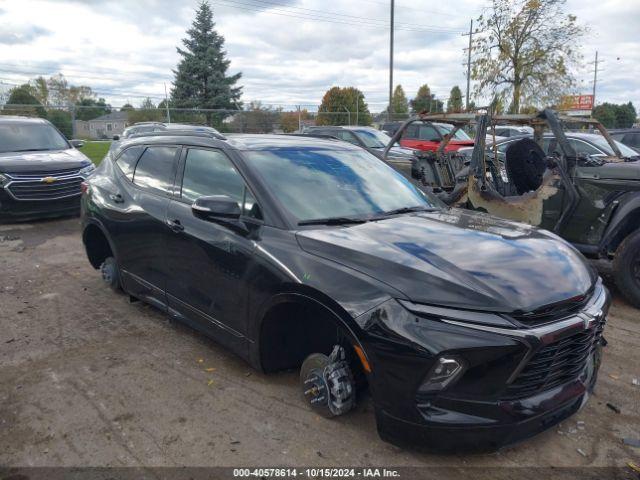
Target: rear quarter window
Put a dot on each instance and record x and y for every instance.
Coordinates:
(128, 159)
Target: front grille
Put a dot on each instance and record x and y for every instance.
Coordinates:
(41, 190)
(556, 363)
(37, 175)
(554, 312)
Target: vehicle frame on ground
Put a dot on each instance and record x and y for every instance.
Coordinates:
(40, 170)
(593, 201)
(301, 252)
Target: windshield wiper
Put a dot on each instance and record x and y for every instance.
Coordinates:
(332, 221)
(399, 211)
(32, 150)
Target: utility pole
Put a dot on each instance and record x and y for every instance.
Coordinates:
(166, 103)
(595, 78)
(357, 107)
(299, 119)
(390, 110)
(469, 62)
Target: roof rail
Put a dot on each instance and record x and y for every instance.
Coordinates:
(180, 133)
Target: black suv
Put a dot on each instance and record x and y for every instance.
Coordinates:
(471, 332)
(40, 170)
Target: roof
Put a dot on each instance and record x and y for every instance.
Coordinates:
(15, 119)
(113, 116)
(272, 141)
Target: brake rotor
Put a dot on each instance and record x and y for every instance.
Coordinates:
(327, 383)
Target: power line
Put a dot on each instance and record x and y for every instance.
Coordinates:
(253, 7)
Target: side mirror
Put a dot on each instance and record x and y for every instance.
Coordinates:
(116, 137)
(216, 207)
(77, 143)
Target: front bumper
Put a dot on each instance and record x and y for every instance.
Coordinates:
(24, 210)
(494, 404)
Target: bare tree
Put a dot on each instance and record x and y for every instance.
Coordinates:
(524, 50)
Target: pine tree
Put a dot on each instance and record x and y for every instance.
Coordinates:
(201, 79)
(454, 104)
(399, 102)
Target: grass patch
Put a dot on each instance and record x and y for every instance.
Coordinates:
(95, 150)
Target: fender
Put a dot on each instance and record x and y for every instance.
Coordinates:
(626, 218)
(97, 223)
(301, 295)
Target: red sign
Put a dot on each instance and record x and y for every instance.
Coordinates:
(577, 102)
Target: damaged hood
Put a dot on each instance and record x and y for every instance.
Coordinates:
(22, 162)
(459, 259)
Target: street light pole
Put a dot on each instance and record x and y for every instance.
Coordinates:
(595, 79)
(390, 109)
(469, 63)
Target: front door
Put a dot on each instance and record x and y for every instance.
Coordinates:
(209, 261)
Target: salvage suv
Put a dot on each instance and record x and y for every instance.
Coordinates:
(471, 332)
(40, 170)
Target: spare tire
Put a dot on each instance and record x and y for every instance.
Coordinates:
(525, 164)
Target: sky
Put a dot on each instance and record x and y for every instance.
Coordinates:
(289, 51)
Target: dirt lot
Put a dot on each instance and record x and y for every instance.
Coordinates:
(88, 379)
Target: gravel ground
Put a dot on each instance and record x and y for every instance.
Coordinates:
(88, 379)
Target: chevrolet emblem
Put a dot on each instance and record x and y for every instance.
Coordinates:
(48, 179)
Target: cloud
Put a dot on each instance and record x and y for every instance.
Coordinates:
(289, 51)
(19, 34)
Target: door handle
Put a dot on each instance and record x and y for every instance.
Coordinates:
(175, 226)
(116, 197)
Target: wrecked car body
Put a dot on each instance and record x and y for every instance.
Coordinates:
(593, 201)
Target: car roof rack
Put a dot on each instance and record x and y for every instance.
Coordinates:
(181, 133)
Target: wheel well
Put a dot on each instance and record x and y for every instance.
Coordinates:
(96, 245)
(291, 331)
(629, 225)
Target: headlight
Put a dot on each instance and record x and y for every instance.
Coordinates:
(85, 171)
(446, 370)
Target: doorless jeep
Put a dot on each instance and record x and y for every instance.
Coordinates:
(590, 199)
(471, 332)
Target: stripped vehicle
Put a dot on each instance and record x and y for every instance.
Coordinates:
(593, 201)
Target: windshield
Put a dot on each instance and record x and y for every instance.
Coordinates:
(373, 138)
(603, 145)
(314, 183)
(30, 137)
(445, 128)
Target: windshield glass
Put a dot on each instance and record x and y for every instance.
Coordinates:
(314, 183)
(373, 138)
(30, 137)
(459, 135)
(603, 145)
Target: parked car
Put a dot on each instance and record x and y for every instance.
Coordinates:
(142, 128)
(40, 170)
(512, 130)
(429, 136)
(471, 332)
(629, 136)
(583, 187)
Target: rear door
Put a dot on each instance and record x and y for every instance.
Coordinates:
(209, 261)
(141, 232)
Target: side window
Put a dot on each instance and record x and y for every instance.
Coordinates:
(632, 139)
(156, 169)
(127, 160)
(347, 136)
(583, 148)
(210, 172)
(427, 133)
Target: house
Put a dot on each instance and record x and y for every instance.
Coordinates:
(104, 127)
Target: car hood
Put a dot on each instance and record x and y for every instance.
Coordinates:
(459, 259)
(398, 152)
(42, 161)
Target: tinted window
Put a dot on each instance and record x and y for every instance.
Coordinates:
(127, 160)
(30, 138)
(318, 183)
(417, 131)
(156, 169)
(583, 148)
(346, 136)
(210, 172)
(632, 139)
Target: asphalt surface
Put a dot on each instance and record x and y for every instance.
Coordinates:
(89, 379)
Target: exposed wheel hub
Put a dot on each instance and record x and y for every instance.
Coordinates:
(327, 383)
(108, 272)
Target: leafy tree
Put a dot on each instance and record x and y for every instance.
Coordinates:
(422, 101)
(40, 90)
(255, 119)
(62, 121)
(61, 93)
(399, 102)
(19, 98)
(289, 120)
(454, 104)
(340, 106)
(126, 107)
(92, 108)
(146, 113)
(612, 115)
(201, 79)
(524, 49)
(426, 102)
